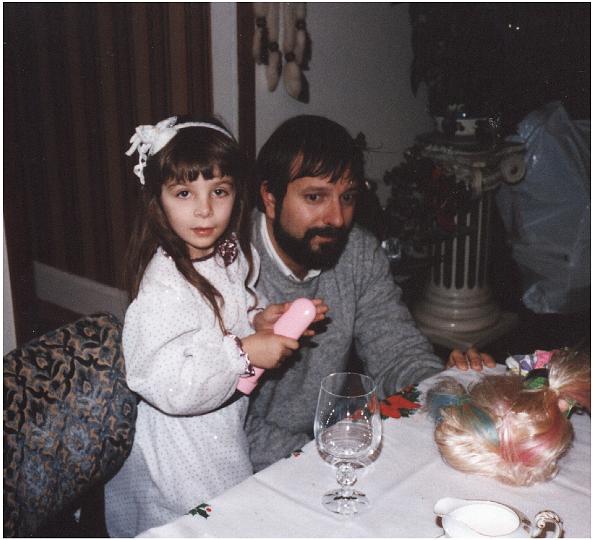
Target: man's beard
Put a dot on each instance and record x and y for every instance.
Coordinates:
(299, 249)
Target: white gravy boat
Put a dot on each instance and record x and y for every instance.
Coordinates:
(487, 519)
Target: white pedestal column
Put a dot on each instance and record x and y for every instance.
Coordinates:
(457, 308)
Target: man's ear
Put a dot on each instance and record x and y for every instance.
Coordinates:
(268, 200)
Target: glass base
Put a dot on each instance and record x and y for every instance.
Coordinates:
(345, 502)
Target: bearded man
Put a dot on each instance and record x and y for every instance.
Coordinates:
(309, 175)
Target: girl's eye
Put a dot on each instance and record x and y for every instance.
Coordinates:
(220, 192)
(183, 194)
(313, 197)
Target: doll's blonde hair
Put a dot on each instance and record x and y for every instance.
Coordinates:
(500, 428)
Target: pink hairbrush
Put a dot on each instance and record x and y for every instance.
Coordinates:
(296, 319)
(291, 324)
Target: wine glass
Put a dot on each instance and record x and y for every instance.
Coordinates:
(348, 427)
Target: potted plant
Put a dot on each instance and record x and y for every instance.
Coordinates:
(420, 212)
(458, 56)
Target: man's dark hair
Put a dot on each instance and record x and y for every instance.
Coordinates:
(307, 145)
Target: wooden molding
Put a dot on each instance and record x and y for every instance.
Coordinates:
(246, 78)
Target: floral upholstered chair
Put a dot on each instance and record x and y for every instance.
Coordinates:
(68, 421)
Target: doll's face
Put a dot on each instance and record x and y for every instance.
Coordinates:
(563, 405)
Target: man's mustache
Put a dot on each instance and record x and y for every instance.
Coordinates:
(328, 232)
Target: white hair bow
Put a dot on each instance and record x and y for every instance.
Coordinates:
(148, 140)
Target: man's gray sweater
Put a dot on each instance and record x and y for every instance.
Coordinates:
(365, 312)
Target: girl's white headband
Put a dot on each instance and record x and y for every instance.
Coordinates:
(148, 140)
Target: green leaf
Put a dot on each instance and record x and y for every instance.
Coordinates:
(202, 510)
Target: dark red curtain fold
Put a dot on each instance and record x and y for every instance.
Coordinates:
(78, 78)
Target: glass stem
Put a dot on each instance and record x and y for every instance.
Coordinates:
(346, 477)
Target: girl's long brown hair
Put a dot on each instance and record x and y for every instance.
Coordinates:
(193, 151)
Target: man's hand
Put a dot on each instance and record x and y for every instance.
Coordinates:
(471, 358)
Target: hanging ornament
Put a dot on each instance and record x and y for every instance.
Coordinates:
(295, 45)
(273, 69)
(292, 71)
(260, 42)
(301, 38)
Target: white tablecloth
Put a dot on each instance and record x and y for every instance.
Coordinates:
(403, 483)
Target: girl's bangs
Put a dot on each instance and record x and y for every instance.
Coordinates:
(194, 152)
(186, 171)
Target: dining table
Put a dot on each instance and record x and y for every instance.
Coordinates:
(403, 480)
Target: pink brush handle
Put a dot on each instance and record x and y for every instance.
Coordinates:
(296, 319)
(292, 324)
(247, 384)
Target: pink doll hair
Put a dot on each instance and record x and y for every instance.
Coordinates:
(504, 429)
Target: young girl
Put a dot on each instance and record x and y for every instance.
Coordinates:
(189, 331)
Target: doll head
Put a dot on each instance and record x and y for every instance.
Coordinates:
(510, 427)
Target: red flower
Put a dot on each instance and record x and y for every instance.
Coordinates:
(392, 405)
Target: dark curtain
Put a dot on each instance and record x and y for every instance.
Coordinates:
(78, 79)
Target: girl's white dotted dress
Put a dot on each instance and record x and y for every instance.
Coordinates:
(189, 445)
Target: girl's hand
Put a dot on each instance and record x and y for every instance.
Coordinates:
(265, 319)
(267, 350)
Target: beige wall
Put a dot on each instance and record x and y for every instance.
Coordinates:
(9, 334)
(359, 76)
